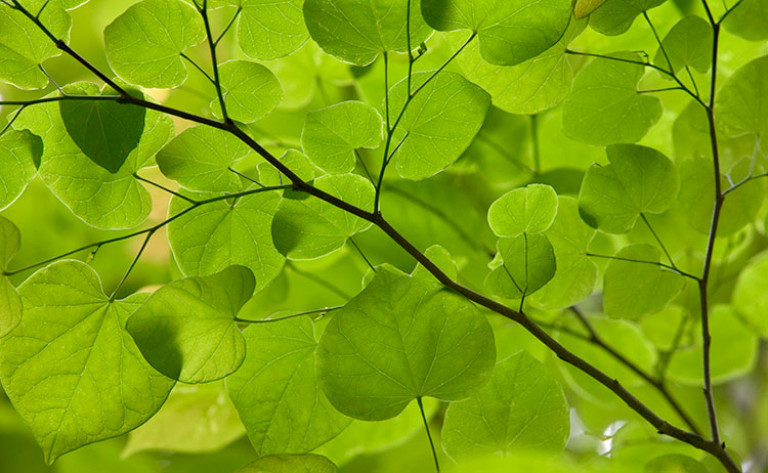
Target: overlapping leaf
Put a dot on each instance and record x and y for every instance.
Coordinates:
(209, 238)
(307, 228)
(187, 328)
(250, 91)
(688, 43)
(276, 391)
(20, 153)
(332, 134)
(605, 106)
(638, 180)
(438, 125)
(10, 302)
(614, 17)
(509, 31)
(99, 197)
(529, 209)
(400, 340)
(748, 20)
(523, 407)
(70, 368)
(357, 31)
(23, 46)
(145, 43)
(199, 158)
(576, 274)
(636, 285)
(270, 30)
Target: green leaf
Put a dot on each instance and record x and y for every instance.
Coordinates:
(528, 263)
(20, 153)
(688, 43)
(307, 228)
(332, 134)
(605, 107)
(442, 259)
(733, 351)
(214, 236)
(187, 328)
(509, 31)
(290, 464)
(697, 196)
(95, 195)
(106, 131)
(210, 423)
(614, 17)
(529, 209)
(270, 30)
(749, 294)
(276, 391)
(145, 43)
(438, 125)
(742, 103)
(199, 158)
(583, 8)
(357, 31)
(10, 302)
(250, 90)
(530, 87)
(674, 463)
(640, 286)
(576, 274)
(24, 46)
(748, 20)
(70, 368)
(399, 340)
(523, 407)
(637, 181)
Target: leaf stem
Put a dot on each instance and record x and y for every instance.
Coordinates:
(229, 25)
(197, 66)
(658, 240)
(321, 310)
(429, 434)
(161, 187)
(656, 263)
(133, 265)
(360, 252)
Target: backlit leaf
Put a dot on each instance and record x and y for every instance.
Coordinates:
(529, 209)
(637, 285)
(276, 391)
(509, 31)
(70, 368)
(332, 134)
(399, 340)
(357, 31)
(637, 181)
(187, 329)
(290, 464)
(523, 407)
(270, 29)
(438, 125)
(605, 106)
(145, 43)
(20, 153)
(250, 91)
